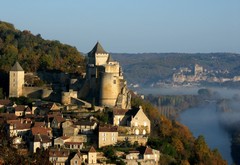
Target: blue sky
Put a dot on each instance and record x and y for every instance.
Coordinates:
(131, 26)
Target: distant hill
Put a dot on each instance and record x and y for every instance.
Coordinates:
(147, 68)
(34, 53)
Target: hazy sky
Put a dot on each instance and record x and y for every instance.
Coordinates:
(131, 25)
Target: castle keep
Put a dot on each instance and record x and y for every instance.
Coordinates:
(105, 79)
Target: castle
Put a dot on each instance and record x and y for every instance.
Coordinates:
(105, 79)
(104, 82)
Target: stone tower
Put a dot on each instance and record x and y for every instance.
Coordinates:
(16, 80)
(105, 79)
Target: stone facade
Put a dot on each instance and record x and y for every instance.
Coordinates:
(16, 81)
(107, 135)
(135, 119)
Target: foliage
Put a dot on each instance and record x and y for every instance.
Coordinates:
(22, 100)
(105, 116)
(35, 53)
(110, 152)
(175, 141)
(1, 94)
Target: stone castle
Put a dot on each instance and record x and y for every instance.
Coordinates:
(105, 79)
(103, 83)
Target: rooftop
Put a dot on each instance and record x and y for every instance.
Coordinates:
(97, 49)
(17, 67)
(108, 128)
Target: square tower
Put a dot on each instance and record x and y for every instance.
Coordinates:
(16, 80)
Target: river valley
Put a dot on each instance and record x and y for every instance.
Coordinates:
(202, 120)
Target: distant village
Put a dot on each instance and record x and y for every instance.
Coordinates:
(73, 118)
(186, 76)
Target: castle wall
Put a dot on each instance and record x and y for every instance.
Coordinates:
(101, 59)
(109, 89)
(112, 68)
(36, 92)
(66, 97)
(16, 81)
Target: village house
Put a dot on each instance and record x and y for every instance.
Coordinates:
(92, 156)
(41, 137)
(18, 128)
(134, 118)
(76, 159)
(69, 129)
(71, 142)
(59, 156)
(40, 141)
(21, 110)
(86, 127)
(145, 155)
(107, 135)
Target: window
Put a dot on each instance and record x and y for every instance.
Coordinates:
(114, 81)
(76, 162)
(145, 123)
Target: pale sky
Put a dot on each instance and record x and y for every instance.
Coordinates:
(131, 26)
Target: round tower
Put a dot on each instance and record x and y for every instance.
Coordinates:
(109, 89)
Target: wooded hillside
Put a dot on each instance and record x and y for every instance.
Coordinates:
(34, 53)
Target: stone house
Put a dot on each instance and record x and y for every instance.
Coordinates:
(70, 142)
(76, 159)
(86, 127)
(40, 141)
(107, 135)
(18, 128)
(59, 156)
(21, 109)
(140, 122)
(92, 156)
(134, 118)
(144, 156)
(120, 117)
(69, 129)
(41, 137)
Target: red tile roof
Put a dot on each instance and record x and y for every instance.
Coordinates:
(92, 149)
(5, 102)
(39, 124)
(20, 108)
(58, 153)
(42, 138)
(119, 111)
(23, 126)
(108, 128)
(8, 116)
(41, 131)
(73, 142)
(148, 151)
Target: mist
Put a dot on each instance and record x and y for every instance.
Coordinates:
(215, 123)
